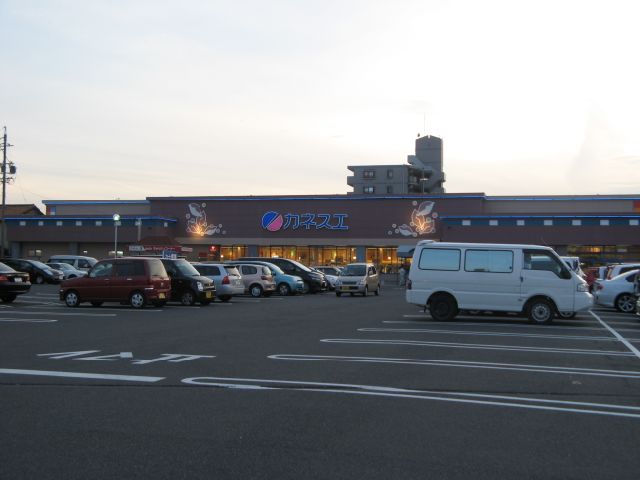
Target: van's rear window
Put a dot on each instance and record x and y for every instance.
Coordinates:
(439, 259)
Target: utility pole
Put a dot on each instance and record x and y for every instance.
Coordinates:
(11, 170)
(3, 237)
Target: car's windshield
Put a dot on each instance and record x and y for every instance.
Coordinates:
(330, 271)
(5, 268)
(186, 268)
(41, 265)
(302, 267)
(354, 271)
(626, 275)
(60, 266)
(276, 270)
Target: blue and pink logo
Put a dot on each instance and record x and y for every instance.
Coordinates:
(272, 221)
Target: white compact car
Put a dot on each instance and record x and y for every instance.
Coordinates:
(617, 292)
(331, 273)
(359, 278)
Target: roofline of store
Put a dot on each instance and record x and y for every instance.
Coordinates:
(95, 202)
(52, 218)
(523, 217)
(350, 197)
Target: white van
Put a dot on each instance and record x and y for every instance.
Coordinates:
(77, 261)
(449, 277)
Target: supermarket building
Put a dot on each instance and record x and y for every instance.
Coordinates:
(328, 229)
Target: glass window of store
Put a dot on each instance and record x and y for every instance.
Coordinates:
(385, 258)
(316, 255)
(596, 255)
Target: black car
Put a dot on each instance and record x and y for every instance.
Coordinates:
(187, 285)
(12, 283)
(313, 281)
(38, 272)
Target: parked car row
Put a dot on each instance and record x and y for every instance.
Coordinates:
(140, 281)
(38, 272)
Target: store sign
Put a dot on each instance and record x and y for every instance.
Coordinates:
(275, 221)
(159, 248)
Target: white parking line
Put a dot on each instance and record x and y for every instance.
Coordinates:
(93, 376)
(492, 334)
(101, 309)
(515, 318)
(28, 320)
(630, 374)
(626, 343)
(626, 324)
(65, 314)
(28, 302)
(630, 318)
(482, 323)
(390, 392)
(477, 346)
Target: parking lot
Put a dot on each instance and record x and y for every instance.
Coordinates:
(314, 386)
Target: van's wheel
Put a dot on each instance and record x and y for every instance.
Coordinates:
(71, 298)
(137, 300)
(255, 290)
(540, 311)
(443, 308)
(377, 290)
(284, 289)
(187, 298)
(625, 303)
(366, 291)
(39, 279)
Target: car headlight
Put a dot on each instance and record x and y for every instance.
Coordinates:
(200, 286)
(362, 282)
(583, 287)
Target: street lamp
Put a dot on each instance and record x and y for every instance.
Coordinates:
(116, 219)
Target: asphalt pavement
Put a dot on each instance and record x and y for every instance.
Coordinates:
(314, 387)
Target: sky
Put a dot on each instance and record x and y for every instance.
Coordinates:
(131, 99)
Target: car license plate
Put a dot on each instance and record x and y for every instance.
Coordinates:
(161, 295)
(208, 294)
(17, 280)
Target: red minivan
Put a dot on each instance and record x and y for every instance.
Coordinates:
(136, 281)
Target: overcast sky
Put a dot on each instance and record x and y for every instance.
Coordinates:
(129, 99)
